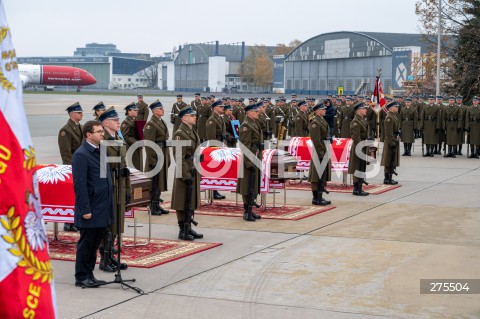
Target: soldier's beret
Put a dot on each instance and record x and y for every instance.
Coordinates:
(393, 103)
(108, 114)
(99, 106)
(217, 103)
(131, 106)
(179, 95)
(75, 107)
(251, 107)
(197, 94)
(186, 111)
(319, 106)
(302, 102)
(360, 105)
(155, 105)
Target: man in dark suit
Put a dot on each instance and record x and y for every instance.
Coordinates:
(93, 202)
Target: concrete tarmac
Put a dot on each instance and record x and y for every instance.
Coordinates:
(363, 259)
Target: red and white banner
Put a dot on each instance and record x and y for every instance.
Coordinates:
(220, 169)
(301, 148)
(26, 275)
(378, 97)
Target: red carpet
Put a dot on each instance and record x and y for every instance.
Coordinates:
(158, 252)
(289, 212)
(339, 188)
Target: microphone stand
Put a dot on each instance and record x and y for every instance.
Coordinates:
(118, 276)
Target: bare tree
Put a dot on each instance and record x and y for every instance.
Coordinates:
(151, 74)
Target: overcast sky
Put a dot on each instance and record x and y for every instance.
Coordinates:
(58, 27)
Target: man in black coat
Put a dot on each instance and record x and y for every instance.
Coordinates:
(330, 116)
(93, 202)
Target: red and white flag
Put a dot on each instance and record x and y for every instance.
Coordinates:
(377, 97)
(26, 276)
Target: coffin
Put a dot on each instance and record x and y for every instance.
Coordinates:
(141, 187)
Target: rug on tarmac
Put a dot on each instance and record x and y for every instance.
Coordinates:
(373, 189)
(288, 212)
(157, 252)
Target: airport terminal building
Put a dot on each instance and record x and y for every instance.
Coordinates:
(349, 62)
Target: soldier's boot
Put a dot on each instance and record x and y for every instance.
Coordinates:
(355, 188)
(114, 262)
(432, 152)
(162, 210)
(477, 155)
(427, 153)
(182, 235)
(391, 181)
(472, 151)
(247, 216)
(195, 234)
(217, 195)
(360, 190)
(453, 151)
(449, 153)
(409, 149)
(105, 266)
(323, 201)
(253, 214)
(439, 152)
(460, 150)
(386, 179)
(315, 199)
(405, 149)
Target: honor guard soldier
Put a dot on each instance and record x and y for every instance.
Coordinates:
(408, 123)
(441, 131)
(195, 104)
(251, 138)
(217, 131)
(264, 121)
(319, 134)
(281, 120)
(472, 126)
(359, 133)
(129, 133)
(142, 109)
(98, 110)
(419, 106)
(177, 106)
(70, 138)
(430, 126)
(270, 112)
(239, 113)
(346, 116)
(228, 118)
(301, 120)
(204, 111)
(121, 181)
(156, 131)
(188, 182)
(461, 135)
(452, 126)
(391, 150)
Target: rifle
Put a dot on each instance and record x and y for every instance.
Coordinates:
(363, 167)
(394, 155)
(154, 201)
(188, 205)
(251, 191)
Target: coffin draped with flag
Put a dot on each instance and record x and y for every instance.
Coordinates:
(26, 276)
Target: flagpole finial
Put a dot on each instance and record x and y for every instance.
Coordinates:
(379, 72)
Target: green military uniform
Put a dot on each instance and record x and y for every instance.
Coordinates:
(129, 133)
(319, 133)
(272, 122)
(391, 149)
(239, 113)
(441, 131)
(195, 104)
(156, 131)
(283, 125)
(472, 126)
(70, 138)
(408, 122)
(431, 123)
(174, 119)
(461, 134)
(179, 195)
(301, 124)
(216, 128)
(359, 133)
(264, 122)
(204, 112)
(452, 126)
(142, 111)
(231, 140)
(346, 116)
(371, 118)
(291, 111)
(252, 138)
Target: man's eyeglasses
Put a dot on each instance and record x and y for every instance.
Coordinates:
(99, 132)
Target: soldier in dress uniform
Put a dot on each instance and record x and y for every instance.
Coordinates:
(195, 104)
(228, 117)
(319, 133)
(338, 107)
(301, 120)
(177, 106)
(430, 125)
(70, 138)
(251, 138)
(371, 116)
(264, 121)
(121, 179)
(291, 112)
(156, 131)
(239, 113)
(472, 126)
(452, 126)
(185, 132)
(216, 130)
(346, 116)
(408, 123)
(419, 106)
(142, 109)
(461, 135)
(98, 110)
(130, 137)
(391, 147)
(270, 112)
(203, 112)
(359, 133)
(441, 132)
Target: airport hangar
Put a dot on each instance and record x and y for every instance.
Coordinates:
(348, 60)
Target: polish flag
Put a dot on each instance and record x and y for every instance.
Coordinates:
(26, 276)
(377, 97)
